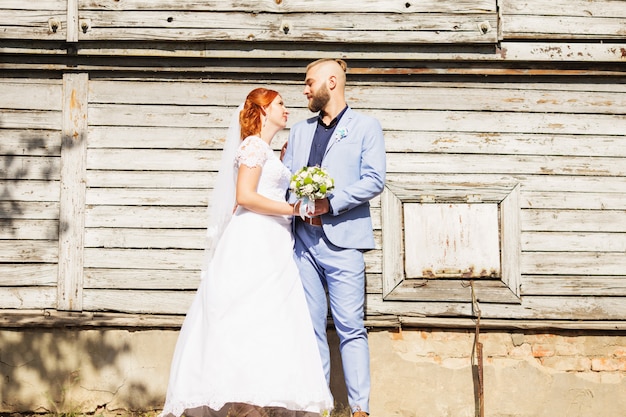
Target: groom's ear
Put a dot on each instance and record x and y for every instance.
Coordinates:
(332, 82)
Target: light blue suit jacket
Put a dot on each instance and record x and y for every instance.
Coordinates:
(355, 159)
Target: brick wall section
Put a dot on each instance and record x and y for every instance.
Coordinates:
(526, 373)
(564, 352)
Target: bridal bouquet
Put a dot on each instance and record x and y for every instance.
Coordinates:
(310, 184)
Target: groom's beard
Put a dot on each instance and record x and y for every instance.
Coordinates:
(320, 99)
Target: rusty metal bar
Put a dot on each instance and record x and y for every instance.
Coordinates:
(478, 353)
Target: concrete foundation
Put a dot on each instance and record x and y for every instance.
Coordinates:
(414, 372)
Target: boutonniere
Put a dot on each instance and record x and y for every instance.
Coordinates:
(341, 133)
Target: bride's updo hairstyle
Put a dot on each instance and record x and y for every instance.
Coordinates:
(250, 117)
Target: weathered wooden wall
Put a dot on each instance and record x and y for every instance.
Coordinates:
(113, 114)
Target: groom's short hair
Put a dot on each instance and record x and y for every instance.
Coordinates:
(341, 63)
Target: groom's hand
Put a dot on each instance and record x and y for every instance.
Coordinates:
(322, 206)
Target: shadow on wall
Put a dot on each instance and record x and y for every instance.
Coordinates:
(27, 163)
(65, 371)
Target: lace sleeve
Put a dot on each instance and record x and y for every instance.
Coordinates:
(252, 152)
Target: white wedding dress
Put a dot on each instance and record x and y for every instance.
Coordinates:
(248, 337)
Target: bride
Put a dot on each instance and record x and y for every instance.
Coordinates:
(247, 347)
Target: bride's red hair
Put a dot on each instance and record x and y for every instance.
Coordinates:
(250, 116)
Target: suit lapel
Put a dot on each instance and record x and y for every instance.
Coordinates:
(345, 120)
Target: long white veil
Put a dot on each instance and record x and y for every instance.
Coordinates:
(222, 199)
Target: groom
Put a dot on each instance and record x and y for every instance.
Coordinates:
(329, 245)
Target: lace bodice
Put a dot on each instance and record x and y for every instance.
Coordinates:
(275, 177)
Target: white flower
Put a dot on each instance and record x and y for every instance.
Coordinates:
(311, 182)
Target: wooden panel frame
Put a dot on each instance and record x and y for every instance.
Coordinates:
(72, 198)
(397, 288)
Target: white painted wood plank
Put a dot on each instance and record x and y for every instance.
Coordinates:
(394, 6)
(504, 164)
(38, 5)
(20, 229)
(561, 51)
(529, 182)
(573, 263)
(612, 221)
(192, 92)
(145, 238)
(142, 279)
(30, 95)
(143, 258)
(574, 200)
(32, 142)
(515, 97)
(31, 119)
(577, 308)
(28, 275)
(47, 318)
(31, 168)
(32, 24)
(137, 301)
(147, 197)
(124, 137)
(258, 19)
(299, 31)
(30, 191)
(150, 179)
(72, 198)
(497, 143)
(153, 159)
(261, 26)
(503, 122)
(574, 285)
(574, 242)
(28, 298)
(160, 116)
(146, 217)
(172, 116)
(562, 27)
(29, 251)
(157, 137)
(12, 211)
(581, 8)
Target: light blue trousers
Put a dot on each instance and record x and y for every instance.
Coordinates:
(326, 267)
